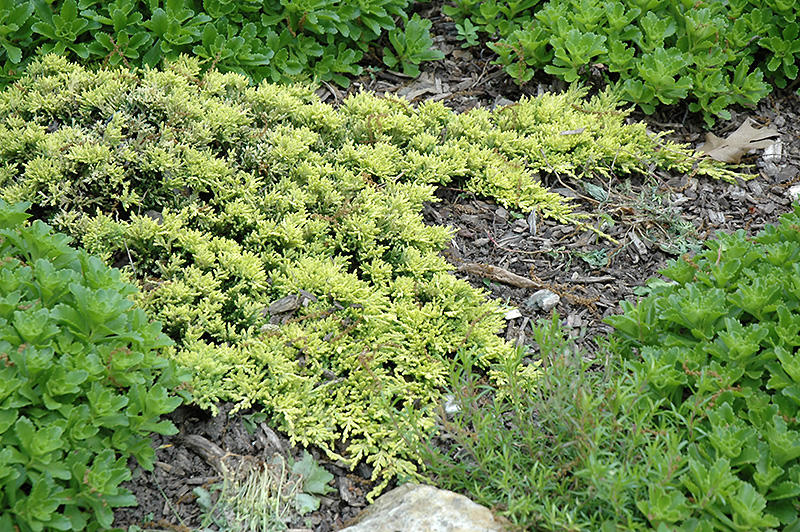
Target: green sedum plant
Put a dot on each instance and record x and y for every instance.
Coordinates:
(411, 46)
(82, 382)
(468, 33)
(279, 40)
(719, 346)
(712, 53)
(490, 15)
(281, 242)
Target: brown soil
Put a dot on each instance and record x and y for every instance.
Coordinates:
(655, 217)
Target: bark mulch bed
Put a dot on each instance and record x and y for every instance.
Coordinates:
(650, 218)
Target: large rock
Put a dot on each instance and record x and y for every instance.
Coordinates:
(421, 508)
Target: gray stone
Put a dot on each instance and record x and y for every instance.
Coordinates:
(421, 508)
(155, 216)
(543, 299)
(502, 102)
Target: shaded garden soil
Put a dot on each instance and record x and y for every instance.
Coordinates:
(647, 220)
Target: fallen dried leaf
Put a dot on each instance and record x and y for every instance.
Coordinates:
(738, 143)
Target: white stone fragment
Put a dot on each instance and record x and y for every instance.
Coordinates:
(771, 159)
(543, 299)
(716, 217)
(794, 192)
(451, 406)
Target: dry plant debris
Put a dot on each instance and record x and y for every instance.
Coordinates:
(743, 140)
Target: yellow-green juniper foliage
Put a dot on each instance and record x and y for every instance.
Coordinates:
(220, 198)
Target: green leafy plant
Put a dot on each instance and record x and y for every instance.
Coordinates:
(468, 33)
(173, 27)
(221, 47)
(14, 26)
(785, 49)
(251, 421)
(560, 443)
(209, 500)
(711, 53)
(313, 482)
(411, 46)
(63, 29)
(717, 347)
(82, 384)
(126, 41)
(574, 51)
(492, 16)
(321, 40)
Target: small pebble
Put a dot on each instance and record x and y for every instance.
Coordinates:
(543, 299)
(451, 406)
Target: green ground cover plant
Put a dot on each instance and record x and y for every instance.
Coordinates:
(569, 449)
(719, 345)
(82, 382)
(280, 40)
(411, 47)
(691, 424)
(713, 53)
(281, 242)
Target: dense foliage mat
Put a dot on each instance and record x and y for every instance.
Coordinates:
(719, 347)
(280, 241)
(690, 424)
(571, 449)
(82, 384)
(713, 53)
(278, 40)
